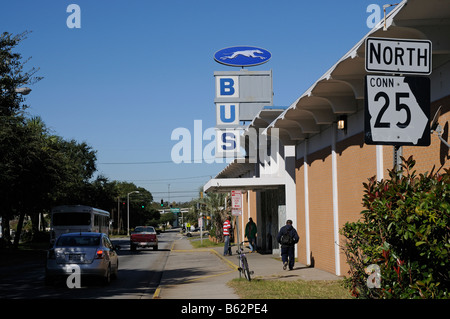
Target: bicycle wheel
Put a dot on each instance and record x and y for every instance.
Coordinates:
(245, 268)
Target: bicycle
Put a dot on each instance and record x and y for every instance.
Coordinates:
(243, 264)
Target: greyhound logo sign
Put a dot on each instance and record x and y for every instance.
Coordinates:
(242, 56)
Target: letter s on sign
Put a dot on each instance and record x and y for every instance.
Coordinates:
(229, 141)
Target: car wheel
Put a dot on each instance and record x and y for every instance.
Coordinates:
(155, 247)
(132, 247)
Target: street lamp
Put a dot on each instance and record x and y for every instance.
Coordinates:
(128, 211)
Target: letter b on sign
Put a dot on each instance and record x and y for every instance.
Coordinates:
(227, 86)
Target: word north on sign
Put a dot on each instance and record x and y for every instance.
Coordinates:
(403, 56)
(397, 110)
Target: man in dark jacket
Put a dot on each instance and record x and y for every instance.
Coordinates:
(287, 237)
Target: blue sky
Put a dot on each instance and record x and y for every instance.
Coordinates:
(138, 69)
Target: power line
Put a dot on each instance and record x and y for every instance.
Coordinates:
(196, 192)
(167, 179)
(136, 163)
(155, 162)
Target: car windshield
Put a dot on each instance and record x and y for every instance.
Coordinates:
(70, 241)
(144, 230)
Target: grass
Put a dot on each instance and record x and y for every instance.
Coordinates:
(281, 289)
(206, 243)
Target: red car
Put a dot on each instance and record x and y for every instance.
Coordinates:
(144, 236)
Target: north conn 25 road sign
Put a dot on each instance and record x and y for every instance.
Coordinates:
(397, 110)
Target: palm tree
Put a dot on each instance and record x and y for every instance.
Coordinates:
(216, 205)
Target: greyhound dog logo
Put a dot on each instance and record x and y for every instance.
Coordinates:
(246, 53)
(241, 56)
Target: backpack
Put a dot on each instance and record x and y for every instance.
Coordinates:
(287, 239)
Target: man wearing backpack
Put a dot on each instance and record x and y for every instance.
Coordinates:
(287, 237)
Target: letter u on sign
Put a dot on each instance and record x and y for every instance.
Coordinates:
(227, 114)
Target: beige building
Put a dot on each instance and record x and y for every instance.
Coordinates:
(315, 177)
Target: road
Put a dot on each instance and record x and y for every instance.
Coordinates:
(139, 275)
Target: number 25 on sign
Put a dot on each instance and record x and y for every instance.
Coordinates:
(397, 110)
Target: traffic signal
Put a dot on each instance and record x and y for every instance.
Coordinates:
(142, 206)
(162, 203)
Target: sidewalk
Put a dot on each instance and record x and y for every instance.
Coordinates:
(204, 273)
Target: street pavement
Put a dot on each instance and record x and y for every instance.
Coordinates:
(203, 273)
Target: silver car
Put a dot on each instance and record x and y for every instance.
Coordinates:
(92, 254)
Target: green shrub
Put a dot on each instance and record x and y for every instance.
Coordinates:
(404, 233)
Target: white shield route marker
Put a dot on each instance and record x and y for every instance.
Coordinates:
(392, 105)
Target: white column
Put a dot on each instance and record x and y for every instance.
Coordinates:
(334, 179)
(291, 194)
(305, 180)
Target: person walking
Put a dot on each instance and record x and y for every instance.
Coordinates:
(287, 237)
(250, 233)
(226, 235)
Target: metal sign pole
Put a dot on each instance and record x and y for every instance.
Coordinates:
(201, 229)
(237, 236)
(398, 152)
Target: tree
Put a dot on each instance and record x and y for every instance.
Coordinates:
(167, 218)
(138, 215)
(12, 129)
(403, 235)
(215, 204)
(12, 75)
(39, 170)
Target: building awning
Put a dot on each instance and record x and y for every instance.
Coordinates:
(226, 185)
(230, 178)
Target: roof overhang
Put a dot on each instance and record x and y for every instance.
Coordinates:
(225, 185)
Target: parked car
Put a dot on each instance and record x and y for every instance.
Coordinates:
(144, 236)
(196, 232)
(93, 253)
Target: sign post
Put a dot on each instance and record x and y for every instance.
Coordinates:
(236, 209)
(200, 225)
